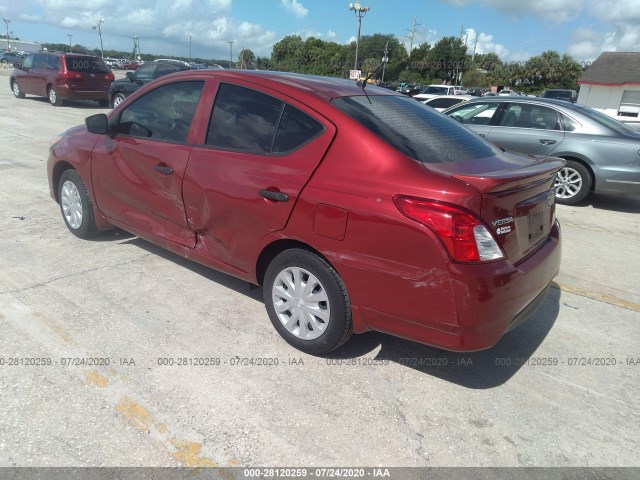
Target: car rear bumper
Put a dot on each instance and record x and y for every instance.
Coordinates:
(67, 91)
(490, 299)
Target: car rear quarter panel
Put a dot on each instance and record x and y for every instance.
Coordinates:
(390, 264)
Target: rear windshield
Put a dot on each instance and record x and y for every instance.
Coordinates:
(86, 64)
(415, 129)
(436, 90)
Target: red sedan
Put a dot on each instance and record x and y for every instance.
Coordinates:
(354, 208)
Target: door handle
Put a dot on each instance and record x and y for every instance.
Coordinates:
(545, 141)
(276, 196)
(163, 169)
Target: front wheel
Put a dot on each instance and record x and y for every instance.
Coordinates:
(54, 99)
(76, 205)
(573, 183)
(307, 302)
(16, 90)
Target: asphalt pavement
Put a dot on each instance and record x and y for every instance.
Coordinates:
(114, 352)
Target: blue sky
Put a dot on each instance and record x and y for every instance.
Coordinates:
(514, 30)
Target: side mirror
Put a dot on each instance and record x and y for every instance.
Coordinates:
(129, 76)
(97, 123)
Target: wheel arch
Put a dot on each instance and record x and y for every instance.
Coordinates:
(59, 168)
(585, 164)
(270, 251)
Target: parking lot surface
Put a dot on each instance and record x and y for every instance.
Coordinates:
(114, 352)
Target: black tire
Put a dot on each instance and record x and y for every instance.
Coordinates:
(54, 99)
(117, 99)
(70, 202)
(103, 103)
(573, 183)
(17, 91)
(333, 332)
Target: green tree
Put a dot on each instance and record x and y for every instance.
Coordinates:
(246, 58)
(448, 59)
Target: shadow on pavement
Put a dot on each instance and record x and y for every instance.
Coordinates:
(476, 370)
(615, 203)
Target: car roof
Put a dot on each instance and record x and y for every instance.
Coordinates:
(324, 88)
(519, 99)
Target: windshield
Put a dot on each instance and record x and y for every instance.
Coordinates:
(436, 90)
(415, 129)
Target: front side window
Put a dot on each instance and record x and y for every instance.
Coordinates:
(163, 114)
(415, 129)
(145, 72)
(28, 62)
(165, 69)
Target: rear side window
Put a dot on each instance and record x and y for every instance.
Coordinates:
(444, 102)
(415, 129)
(86, 65)
(244, 120)
(295, 129)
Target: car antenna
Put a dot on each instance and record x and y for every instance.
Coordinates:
(363, 83)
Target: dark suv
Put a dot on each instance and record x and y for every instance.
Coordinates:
(122, 88)
(60, 76)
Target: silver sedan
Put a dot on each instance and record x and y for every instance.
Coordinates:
(602, 154)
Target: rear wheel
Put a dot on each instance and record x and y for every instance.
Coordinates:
(16, 90)
(573, 183)
(54, 99)
(307, 302)
(76, 205)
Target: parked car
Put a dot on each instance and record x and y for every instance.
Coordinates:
(410, 89)
(460, 90)
(131, 65)
(430, 232)
(506, 92)
(474, 91)
(442, 102)
(561, 94)
(122, 88)
(61, 76)
(435, 91)
(602, 154)
(11, 58)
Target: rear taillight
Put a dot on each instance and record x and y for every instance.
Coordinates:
(464, 235)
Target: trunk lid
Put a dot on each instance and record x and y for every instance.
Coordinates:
(518, 197)
(88, 73)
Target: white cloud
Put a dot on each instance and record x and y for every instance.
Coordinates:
(484, 43)
(164, 26)
(295, 7)
(331, 34)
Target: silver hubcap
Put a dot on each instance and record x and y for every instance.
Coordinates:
(52, 95)
(301, 303)
(16, 89)
(71, 204)
(568, 183)
(117, 101)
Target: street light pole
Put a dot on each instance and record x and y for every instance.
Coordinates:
(360, 12)
(231, 54)
(7, 22)
(100, 33)
(69, 35)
